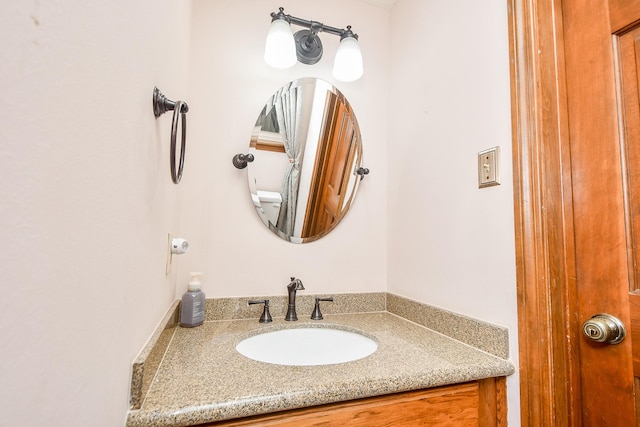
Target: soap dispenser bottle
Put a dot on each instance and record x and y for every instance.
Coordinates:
(193, 304)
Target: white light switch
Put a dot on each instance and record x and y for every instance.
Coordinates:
(488, 167)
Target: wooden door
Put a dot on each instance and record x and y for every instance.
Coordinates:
(597, 41)
(629, 78)
(577, 190)
(333, 168)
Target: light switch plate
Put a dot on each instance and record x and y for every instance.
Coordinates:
(488, 167)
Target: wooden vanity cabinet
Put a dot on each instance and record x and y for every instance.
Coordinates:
(474, 404)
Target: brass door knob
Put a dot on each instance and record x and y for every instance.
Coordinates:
(604, 328)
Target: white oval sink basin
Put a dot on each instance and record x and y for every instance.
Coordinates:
(307, 346)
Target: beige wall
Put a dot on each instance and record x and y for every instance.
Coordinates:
(229, 85)
(86, 201)
(451, 244)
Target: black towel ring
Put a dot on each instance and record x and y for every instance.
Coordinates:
(180, 108)
(176, 176)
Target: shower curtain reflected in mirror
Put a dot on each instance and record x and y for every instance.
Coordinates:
(287, 106)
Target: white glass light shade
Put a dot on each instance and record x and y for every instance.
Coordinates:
(280, 48)
(347, 66)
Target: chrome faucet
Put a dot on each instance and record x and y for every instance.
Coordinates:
(295, 285)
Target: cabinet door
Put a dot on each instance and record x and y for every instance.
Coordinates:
(479, 403)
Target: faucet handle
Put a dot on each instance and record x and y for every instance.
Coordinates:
(266, 316)
(317, 315)
(296, 284)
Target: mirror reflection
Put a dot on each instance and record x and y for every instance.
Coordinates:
(307, 150)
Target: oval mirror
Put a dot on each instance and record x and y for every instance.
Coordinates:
(307, 160)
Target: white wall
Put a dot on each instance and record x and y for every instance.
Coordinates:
(86, 200)
(229, 84)
(451, 244)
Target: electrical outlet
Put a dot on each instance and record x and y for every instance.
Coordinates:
(488, 167)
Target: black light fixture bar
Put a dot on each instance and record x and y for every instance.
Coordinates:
(314, 26)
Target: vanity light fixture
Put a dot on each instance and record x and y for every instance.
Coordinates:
(283, 47)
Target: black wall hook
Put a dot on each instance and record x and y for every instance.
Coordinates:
(240, 160)
(161, 104)
(362, 172)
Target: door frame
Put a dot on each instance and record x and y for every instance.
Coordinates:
(545, 262)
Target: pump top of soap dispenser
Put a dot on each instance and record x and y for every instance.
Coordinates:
(194, 283)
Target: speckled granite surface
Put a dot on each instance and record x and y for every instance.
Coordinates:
(493, 339)
(238, 308)
(202, 378)
(147, 363)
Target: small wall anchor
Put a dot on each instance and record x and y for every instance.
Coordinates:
(266, 316)
(317, 315)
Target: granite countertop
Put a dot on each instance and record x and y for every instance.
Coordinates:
(202, 378)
